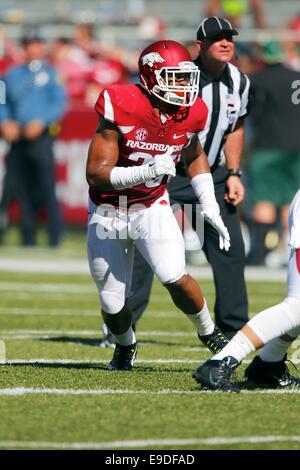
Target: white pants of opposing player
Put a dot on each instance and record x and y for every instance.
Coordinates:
(283, 318)
(112, 237)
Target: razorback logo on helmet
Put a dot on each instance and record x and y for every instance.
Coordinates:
(151, 58)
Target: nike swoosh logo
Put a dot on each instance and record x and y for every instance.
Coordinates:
(175, 136)
(212, 381)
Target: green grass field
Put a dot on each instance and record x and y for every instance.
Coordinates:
(55, 391)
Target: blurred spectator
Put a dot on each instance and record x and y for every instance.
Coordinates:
(135, 10)
(191, 46)
(234, 10)
(102, 74)
(73, 64)
(274, 172)
(85, 40)
(34, 101)
(10, 54)
(151, 28)
(246, 60)
(292, 55)
(292, 47)
(295, 26)
(86, 67)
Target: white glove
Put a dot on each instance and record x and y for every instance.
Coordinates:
(214, 219)
(163, 165)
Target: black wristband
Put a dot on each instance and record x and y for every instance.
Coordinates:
(234, 172)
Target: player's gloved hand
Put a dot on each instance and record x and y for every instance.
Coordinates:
(214, 219)
(163, 165)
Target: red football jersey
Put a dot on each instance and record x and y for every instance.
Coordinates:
(144, 135)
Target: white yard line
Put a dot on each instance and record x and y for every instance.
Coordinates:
(144, 443)
(81, 312)
(75, 298)
(93, 361)
(46, 287)
(44, 266)
(42, 332)
(79, 288)
(76, 311)
(88, 362)
(76, 267)
(49, 311)
(11, 297)
(21, 391)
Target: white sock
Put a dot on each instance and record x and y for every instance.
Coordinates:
(274, 350)
(127, 338)
(202, 321)
(239, 347)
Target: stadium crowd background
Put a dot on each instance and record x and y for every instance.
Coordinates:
(96, 43)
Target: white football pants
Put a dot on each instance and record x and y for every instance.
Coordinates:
(283, 318)
(112, 236)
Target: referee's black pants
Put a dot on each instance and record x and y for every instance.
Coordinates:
(231, 305)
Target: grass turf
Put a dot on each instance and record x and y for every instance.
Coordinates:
(62, 322)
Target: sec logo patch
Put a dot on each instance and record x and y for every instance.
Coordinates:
(141, 134)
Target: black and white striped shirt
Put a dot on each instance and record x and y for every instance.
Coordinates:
(227, 100)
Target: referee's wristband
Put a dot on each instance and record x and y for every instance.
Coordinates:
(234, 172)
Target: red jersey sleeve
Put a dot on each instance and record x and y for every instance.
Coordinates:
(202, 114)
(298, 259)
(99, 106)
(105, 105)
(198, 116)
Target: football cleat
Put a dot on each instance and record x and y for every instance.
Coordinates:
(123, 357)
(274, 374)
(215, 342)
(215, 374)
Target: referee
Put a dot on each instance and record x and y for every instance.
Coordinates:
(225, 91)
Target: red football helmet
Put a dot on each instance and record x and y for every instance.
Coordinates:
(167, 72)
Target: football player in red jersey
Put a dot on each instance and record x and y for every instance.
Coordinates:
(143, 131)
